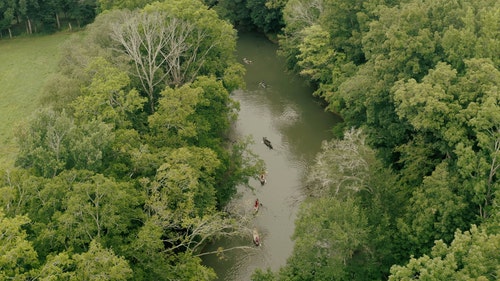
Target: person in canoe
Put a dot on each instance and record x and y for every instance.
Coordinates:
(256, 237)
(267, 142)
(247, 61)
(262, 178)
(256, 205)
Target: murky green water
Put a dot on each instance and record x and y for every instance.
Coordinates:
(285, 112)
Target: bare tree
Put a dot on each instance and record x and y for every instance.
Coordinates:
(143, 39)
(165, 50)
(305, 12)
(192, 232)
(341, 167)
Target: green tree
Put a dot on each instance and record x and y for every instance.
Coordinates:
(455, 117)
(106, 5)
(173, 122)
(234, 11)
(44, 143)
(349, 168)
(316, 57)
(329, 234)
(52, 142)
(7, 14)
(147, 253)
(154, 261)
(239, 164)
(214, 112)
(96, 207)
(17, 256)
(107, 97)
(39, 199)
(473, 255)
(182, 197)
(297, 15)
(266, 16)
(89, 146)
(58, 267)
(477, 160)
(435, 211)
(260, 275)
(18, 188)
(99, 263)
(185, 183)
(340, 19)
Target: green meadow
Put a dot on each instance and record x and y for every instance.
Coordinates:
(25, 65)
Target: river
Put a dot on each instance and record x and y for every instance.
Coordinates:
(285, 112)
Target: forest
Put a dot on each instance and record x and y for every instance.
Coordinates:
(126, 171)
(19, 17)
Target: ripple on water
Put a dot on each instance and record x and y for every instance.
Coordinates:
(289, 116)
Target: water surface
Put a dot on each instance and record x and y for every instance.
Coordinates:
(285, 112)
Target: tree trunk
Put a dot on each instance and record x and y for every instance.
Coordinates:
(58, 22)
(69, 25)
(10, 33)
(30, 31)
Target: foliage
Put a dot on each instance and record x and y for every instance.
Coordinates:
(114, 189)
(329, 234)
(17, 255)
(107, 5)
(420, 79)
(260, 275)
(262, 15)
(106, 98)
(53, 142)
(171, 120)
(44, 16)
(168, 46)
(97, 263)
(435, 211)
(99, 171)
(266, 16)
(473, 255)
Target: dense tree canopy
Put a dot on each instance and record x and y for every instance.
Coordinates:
(125, 172)
(421, 79)
(262, 15)
(129, 163)
(472, 255)
(32, 16)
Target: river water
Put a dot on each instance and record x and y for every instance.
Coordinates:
(285, 112)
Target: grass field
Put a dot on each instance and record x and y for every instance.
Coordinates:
(25, 65)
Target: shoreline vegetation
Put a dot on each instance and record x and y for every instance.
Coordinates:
(408, 190)
(120, 164)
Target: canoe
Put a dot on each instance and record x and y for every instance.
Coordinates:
(256, 237)
(262, 178)
(267, 142)
(256, 206)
